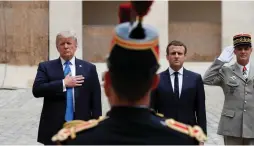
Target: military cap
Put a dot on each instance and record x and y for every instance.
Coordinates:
(242, 39)
(135, 46)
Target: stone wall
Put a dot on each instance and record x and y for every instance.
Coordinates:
(97, 33)
(96, 42)
(24, 32)
(203, 40)
(198, 25)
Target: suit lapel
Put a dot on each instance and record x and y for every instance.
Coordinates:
(168, 81)
(185, 82)
(236, 70)
(59, 68)
(79, 68)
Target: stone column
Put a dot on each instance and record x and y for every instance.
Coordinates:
(237, 17)
(158, 17)
(64, 15)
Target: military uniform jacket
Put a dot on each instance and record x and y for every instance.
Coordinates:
(237, 116)
(130, 125)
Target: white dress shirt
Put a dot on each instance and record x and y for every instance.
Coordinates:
(247, 67)
(180, 79)
(73, 73)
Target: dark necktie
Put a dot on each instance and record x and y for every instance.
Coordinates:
(176, 85)
(245, 73)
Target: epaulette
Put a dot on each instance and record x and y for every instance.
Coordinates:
(194, 131)
(70, 129)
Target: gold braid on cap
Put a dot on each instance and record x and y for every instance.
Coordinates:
(242, 40)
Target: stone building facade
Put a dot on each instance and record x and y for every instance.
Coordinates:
(28, 30)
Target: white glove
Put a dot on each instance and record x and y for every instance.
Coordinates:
(227, 54)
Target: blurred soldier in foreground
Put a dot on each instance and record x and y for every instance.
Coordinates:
(132, 66)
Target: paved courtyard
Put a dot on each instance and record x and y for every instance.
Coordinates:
(20, 112)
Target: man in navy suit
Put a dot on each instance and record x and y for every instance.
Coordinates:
(180, 93)
(70, 88)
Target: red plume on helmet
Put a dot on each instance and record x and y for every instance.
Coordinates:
(134, 44)
(141, 7)
(124, 12)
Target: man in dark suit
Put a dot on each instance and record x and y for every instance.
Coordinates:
(132, 65)
(180, 93)
(70, 88)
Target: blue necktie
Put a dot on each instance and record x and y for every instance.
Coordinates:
(69, 95)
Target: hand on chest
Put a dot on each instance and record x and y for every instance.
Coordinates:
(77, 77)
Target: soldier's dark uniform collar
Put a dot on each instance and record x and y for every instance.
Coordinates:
(129, 112)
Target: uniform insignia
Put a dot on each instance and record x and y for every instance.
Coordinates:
(194, 131)
(160, 115)
(156, 113)
(233, 77)
(71, 128)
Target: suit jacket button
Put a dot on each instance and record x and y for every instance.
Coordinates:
(244, 110)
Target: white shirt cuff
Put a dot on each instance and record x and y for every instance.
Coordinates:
(64, 88)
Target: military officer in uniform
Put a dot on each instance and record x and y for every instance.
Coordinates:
(236, 122)
(132, 66)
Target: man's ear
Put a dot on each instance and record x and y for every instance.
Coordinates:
(235, 51)
(156, 80)
(107, 83)
(167, 57)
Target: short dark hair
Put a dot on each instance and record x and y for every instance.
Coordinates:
(131, 72)
(131, 87)
(176, 43)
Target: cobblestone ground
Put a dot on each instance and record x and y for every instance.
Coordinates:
(20, 112)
